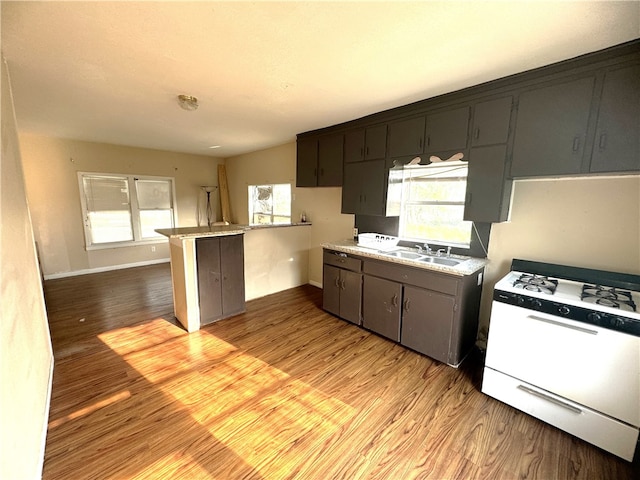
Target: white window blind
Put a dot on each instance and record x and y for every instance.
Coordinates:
(122, 210)
(432, 205)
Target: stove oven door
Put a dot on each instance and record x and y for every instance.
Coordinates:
(592, 366)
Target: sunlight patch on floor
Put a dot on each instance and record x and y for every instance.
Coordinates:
(91, 408)
(254, 409)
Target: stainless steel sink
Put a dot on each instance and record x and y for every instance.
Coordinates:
(449, 262)
(406, 255)
(420, 257)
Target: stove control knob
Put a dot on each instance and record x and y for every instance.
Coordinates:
(564, 310)
(594, 317)
(536, 304)
(616, 322)
(520, 301)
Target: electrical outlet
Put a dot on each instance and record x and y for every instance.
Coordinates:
(153, 248)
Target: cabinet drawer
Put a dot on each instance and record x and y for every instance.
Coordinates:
(589, 425)
(342, 260)
(413, 276)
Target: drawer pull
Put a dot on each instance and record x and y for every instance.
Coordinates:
(394, 300)
(549, 398)
(560, 324)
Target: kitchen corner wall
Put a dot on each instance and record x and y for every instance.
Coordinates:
(321, 205)
(51, 166)
(589, 222)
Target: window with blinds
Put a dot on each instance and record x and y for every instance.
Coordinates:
(125, 209)
(432, 205)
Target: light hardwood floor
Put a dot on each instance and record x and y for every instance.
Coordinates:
(284, 391)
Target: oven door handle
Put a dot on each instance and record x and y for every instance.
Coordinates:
(549, 398)
(565, 325)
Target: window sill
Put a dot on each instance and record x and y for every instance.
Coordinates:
(106, 246)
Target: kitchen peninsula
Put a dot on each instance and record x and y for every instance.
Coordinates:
(215, 269)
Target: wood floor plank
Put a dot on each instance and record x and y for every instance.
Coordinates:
(283, 391)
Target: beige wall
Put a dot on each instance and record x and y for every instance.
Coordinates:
(25, 347)
(321, 205)
(51, 166)
(591, 222)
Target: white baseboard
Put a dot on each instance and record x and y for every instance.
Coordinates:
(87, 271)
(315, 284)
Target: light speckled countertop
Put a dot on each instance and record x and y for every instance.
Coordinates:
(218, 230)
(468, 267)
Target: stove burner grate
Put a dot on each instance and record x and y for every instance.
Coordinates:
(608, 297)
(536, 283)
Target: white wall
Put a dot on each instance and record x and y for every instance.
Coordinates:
(321, 205)
(51, 166)
(589, 222)
(26, 356)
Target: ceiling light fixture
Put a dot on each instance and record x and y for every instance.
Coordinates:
(188, 102)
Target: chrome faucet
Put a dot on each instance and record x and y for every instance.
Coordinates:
(424, 247)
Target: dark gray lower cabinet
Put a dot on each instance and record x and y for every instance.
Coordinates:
(220, 262)
(430, 312)
(381, 307)
(342, 286)
(427, 320)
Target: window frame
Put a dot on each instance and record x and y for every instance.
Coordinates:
(251, 212)
(414, 202)
(134, 210)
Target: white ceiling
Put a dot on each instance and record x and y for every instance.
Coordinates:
(264, 71)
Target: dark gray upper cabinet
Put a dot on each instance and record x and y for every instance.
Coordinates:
(365, 144)
(330, 155)
(363, 190)
(375, 142)
(551, 129)
(319, 161)
(307, 162)
(406, 137)
(491, 122)
(447, 130)
(488, 194)
(616, 146)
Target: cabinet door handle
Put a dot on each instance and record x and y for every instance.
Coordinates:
(366, 151)
(338, 282)
(420, 144)
(394, 300)
(342, 285)
(602, 144)
(361, 152)
(476, 134)
(576, 144)
(548, 398)
(428, 140)
(407, 304)
(322, 172)
(315, 172)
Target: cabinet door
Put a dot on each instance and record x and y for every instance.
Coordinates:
(209, 279)
(354, 146)
(427, 319)
(375, 142)
(488, 191)
(447, 131)
(491, 122)
(307, 163)
(331, 289)
(232, 268)
(330, 155)
(363, 188)
(406, 137)
(351, 296)
(551, 129)
(381, 306)
(616, 147)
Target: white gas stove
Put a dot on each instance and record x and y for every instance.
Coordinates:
(564, 346)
